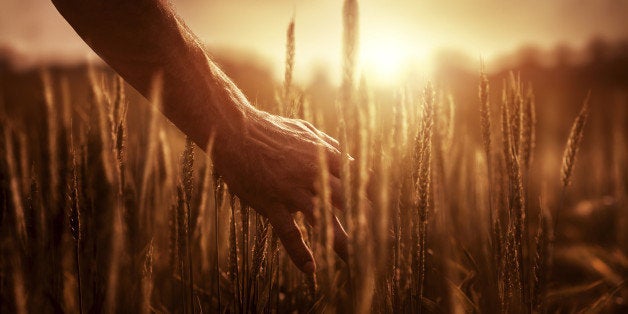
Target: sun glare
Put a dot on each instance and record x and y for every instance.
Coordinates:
(385, 59)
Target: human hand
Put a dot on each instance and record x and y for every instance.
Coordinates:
(270, 162)
(273, 165)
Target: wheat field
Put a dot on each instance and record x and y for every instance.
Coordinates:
(106, 207)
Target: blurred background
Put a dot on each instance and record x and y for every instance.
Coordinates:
(573, 44)
(398, 38)
(561, 49)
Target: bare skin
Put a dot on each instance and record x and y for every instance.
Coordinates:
(271, 163)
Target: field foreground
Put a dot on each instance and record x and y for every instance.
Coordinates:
(105, 206)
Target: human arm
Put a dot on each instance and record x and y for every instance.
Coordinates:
(270, 162)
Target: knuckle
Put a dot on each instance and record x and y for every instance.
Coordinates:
(311, 168)
(299, 124)
(308, 125)
(307, 128)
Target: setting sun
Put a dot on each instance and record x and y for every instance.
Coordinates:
(387, 58)
(383, 60)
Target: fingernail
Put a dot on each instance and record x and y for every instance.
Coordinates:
(309, 268)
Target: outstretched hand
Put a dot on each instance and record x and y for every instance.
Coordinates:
(270, 162)
(274, 166)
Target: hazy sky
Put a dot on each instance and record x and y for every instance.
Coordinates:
(393, 29)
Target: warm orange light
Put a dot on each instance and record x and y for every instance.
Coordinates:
(386, 58)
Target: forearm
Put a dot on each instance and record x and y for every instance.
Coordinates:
(271, 163)
(141, 39)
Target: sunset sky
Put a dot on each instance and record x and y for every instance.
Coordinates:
(391, 31)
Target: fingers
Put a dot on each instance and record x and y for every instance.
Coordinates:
(341, 240)
(304, 201)
(373, 186)
(337, 193)
(305, 204)
(333, 162)
(328, 139)
(292, 240)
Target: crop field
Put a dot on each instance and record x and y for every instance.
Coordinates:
(490, 192)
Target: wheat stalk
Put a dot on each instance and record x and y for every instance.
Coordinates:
(485, 116)
(14, 187)
(147, 278)
(528, 126)
(569, 155)
(289, 68)
(541, 263)
(187, 173)
(350, 48)
(573, 143)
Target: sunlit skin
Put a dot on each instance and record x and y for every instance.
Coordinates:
(271, 163)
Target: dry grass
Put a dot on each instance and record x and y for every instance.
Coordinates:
(96, 215)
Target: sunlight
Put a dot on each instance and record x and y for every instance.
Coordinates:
(386, 59)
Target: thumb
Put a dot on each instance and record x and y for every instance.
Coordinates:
(292, 240)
